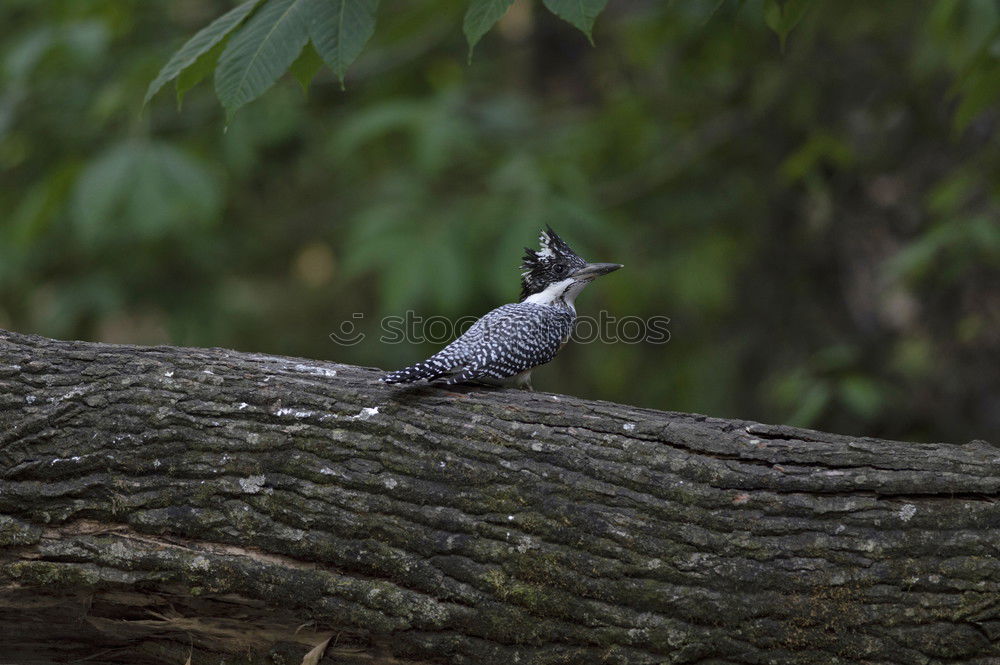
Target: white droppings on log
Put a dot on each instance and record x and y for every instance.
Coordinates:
(366, 413)
(75, 458)
(75, 392)
(293, 412)
(252, 484)
(312, 369)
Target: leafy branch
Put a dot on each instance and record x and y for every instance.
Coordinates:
(254, 44)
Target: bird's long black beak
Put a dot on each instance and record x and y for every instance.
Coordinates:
(592, 270)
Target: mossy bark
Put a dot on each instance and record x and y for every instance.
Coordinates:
(161, 503)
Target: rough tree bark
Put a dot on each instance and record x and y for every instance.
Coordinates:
(161, 503)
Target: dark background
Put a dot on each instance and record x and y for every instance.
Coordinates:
(819, 224)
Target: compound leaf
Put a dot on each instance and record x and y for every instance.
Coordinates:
(198, 45)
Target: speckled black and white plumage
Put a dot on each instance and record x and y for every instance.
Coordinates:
(504, 345)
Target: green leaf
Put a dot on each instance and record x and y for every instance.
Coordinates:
(194, 74)
(198, 45)
(580, 13)
(261, 52)
(142, 191)
(340, 29)
(783, 15)
(480, 17)
(306, 66)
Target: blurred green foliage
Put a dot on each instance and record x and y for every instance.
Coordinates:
(819, 221)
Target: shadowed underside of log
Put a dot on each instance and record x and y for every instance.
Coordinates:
(164, 503)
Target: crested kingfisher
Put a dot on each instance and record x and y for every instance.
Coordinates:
(504, 346)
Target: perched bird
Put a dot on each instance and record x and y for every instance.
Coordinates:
(504, 346)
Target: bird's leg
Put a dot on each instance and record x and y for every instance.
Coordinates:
(523, 381)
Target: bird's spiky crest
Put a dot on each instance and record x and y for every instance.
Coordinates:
(540, 268)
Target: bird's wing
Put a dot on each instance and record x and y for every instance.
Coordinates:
(504, 342)
(515, 338)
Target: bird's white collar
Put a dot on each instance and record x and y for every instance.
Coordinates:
(563, 292)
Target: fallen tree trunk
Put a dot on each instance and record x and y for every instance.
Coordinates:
(164, 503)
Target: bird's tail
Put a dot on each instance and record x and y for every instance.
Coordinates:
(429, 369)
